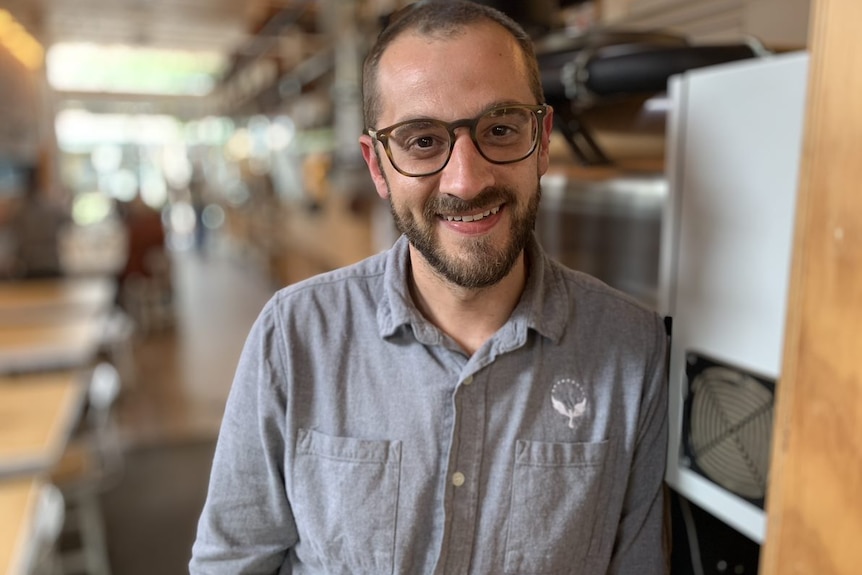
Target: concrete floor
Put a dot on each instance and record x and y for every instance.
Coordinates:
(169, 419)
(184, 374)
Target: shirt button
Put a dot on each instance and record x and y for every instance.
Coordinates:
(468, 380)
(458, 479)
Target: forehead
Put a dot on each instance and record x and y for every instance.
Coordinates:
(452, 75)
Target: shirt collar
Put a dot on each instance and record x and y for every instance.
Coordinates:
(544, 305)
(396, 304)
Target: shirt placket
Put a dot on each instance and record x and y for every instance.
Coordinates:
(464, 474)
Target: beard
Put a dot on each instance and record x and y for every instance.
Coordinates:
(478, 263)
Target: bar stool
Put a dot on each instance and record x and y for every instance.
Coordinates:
(91, 463)
(118, 345)
(50, 514)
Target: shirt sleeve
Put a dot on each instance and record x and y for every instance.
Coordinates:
(246, 526)
(639, 548)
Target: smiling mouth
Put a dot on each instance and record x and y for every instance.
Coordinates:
(472, 218)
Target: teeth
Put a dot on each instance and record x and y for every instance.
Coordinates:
(473, 218)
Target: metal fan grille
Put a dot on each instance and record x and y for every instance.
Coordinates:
(730, 429)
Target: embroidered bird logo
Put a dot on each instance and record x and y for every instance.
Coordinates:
(569, 399)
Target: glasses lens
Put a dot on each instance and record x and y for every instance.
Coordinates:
(503, 135)
(419, 147)
(507, 134)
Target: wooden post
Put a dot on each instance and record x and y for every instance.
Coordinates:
(814, 509)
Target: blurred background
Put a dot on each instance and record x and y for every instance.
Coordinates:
(166, 165)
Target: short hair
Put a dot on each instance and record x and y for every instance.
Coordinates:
(445, 18)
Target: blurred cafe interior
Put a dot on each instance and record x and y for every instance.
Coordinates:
(166, 166)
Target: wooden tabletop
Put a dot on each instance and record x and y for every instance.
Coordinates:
(37, 413)
(37, 300)
(50, 324)
(18, 507)
(68, 342)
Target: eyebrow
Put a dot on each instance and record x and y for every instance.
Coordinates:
(496, 104)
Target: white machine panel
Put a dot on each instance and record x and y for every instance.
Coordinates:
(734, 145)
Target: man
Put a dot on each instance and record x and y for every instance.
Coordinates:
(459, 403)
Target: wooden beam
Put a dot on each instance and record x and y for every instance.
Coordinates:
(815, 492)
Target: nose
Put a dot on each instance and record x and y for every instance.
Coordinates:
(467, 173)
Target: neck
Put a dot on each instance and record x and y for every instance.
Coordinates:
(469, 316)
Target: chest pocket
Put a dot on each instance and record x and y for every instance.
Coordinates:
(555, 497)
(346, 501)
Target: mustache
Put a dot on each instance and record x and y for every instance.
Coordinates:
(487, 198)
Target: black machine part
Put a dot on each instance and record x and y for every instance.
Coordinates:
(603, 67)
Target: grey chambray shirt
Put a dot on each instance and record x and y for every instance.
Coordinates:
(359, 439)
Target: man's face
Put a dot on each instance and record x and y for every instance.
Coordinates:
(469, 222)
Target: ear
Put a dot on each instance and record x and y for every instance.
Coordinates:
(545, 144)
(366, 143)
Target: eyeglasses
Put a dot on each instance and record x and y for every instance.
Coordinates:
(503, 135)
